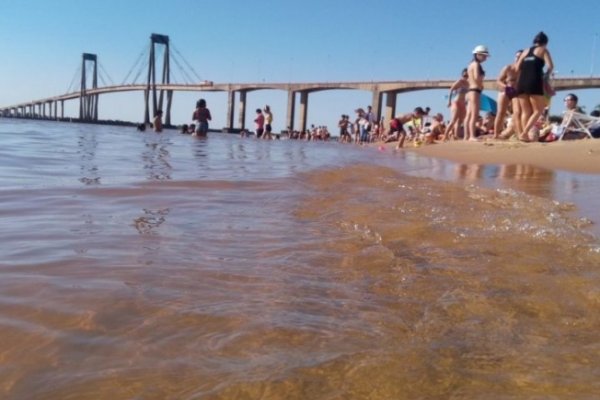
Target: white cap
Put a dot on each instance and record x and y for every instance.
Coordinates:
(481, 49)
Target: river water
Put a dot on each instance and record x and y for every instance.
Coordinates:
(162, 266)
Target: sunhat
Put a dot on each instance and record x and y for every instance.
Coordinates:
(481, 49)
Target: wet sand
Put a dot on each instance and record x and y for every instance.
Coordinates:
(571, 155)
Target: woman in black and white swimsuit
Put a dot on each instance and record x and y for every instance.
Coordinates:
(530, 86)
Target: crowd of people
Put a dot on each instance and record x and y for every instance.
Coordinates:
(524, 91)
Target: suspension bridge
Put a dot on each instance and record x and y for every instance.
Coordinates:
(158, 95)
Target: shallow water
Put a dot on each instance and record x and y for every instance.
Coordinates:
(162, 266)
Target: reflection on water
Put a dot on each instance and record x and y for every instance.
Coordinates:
(156, 158)
(88, 144)
(533, 180)
(227, 268)
(568, 187)
(149, 223)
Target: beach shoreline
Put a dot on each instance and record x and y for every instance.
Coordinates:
(581, 156)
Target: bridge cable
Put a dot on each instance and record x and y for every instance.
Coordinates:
(174, 77)
(102, 80)
(185, 61)
(77, 74)
(139, 59)
(137, 75)
(101, 69)
(143, 64)
(186, 76)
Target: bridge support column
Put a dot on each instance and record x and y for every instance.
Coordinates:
(390, 105)
(62, 109)
(230, 109)
(88, 104)
(376, 104)
(168, 112)
(291, 108)
(157, 103)
(147, 106)
(303, 109)
(242, 115)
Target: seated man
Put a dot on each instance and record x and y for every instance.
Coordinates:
(571, 103)
(573, 127)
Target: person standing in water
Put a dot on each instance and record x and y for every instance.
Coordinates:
(201, 116)
(259, 122)
(475, 75)
(530, 86)
(157, 122)
(268, 121)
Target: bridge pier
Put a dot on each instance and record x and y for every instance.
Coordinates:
(230, 110)
(303, 109)
(88, 104)
(242, 114)
(376, 104)
(390, 105)
(291, 108)
(168, 111)
(151, 81)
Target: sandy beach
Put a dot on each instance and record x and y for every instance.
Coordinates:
(571, 155)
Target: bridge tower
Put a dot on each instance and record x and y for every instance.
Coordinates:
(157, 103)
(88, 104)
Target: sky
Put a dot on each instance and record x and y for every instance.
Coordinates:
(240, 41)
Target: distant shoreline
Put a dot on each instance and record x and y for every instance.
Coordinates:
(98, 122)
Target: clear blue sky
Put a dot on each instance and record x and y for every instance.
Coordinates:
(280, 41)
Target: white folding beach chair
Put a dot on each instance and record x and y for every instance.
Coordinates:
(578, 123)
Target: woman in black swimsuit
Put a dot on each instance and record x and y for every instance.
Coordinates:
(475, 75)
(530, 86)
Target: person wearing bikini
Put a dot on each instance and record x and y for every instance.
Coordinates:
(507, 97)
(475, 75)
(458, 105)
